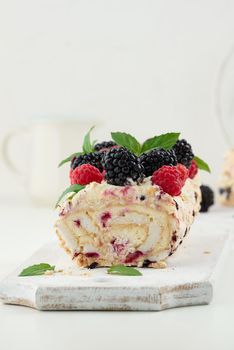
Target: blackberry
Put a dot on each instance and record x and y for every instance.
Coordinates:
(155, 159)
(93, 265)
(94, 159)
(105, 145)
(184, 153)
(146, 263)
(207, 198)
(120, 166)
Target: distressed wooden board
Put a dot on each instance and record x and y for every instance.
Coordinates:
(188, 280)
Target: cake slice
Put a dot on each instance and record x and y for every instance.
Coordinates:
(134, 204)
(226, 182)
(137, 225)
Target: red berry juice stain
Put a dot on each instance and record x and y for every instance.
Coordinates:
(77, 222)
(118, 247)
(109, 193)
(125, 190)
(133, 256)
(92, 255)
(105, 217)
(75, 255)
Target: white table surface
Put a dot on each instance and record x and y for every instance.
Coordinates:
(23, 229)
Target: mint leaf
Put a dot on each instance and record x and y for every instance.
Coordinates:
(36, 270)
(93, 144)
(73, 188)
(165, 141)
(201, 164)
(128, 141)
(87, 145)
(68, 159)
(123, 271)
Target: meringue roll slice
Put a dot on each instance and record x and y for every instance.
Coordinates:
(133, 225)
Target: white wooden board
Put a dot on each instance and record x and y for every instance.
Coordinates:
(188, 280)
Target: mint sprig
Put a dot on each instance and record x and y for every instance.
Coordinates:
(128, 141)
(69, 159)
(36, 270)
(201, 164)
(122, 270)
(165, 141)
(73, 188)
(87, 147)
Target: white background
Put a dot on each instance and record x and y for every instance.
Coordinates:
(142, 66)
(137, 65)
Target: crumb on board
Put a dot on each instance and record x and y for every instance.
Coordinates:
(206, 252)
(86, 274)
(66, 273)
(59, 271)
(159, 265)
(49, 272)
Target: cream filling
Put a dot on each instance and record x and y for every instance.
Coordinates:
(130, 224)
(153, 238)
(71, 241)
(149, 231)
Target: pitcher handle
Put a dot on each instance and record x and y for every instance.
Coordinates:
(5, 149)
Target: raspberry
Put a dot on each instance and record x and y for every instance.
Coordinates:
(183, 172)
(169, 179)
(85, 174)
(193, 169)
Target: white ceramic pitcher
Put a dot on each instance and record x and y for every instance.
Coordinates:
(50, 141)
